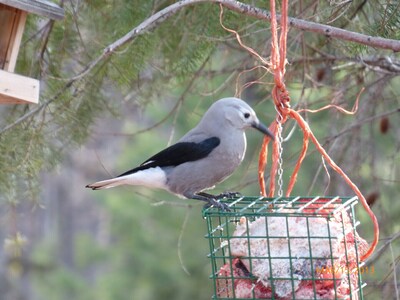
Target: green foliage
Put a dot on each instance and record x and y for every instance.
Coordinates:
(389, 22)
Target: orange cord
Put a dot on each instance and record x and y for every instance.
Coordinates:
(307, 132)
(262, 162)
(281, 100)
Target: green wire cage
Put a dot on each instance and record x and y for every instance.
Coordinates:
(285, 248)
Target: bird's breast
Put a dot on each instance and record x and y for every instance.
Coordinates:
(234, 146)
(231, 152)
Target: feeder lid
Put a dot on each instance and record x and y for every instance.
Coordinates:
(42, 8)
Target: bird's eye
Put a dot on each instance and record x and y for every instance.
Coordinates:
(246, 115)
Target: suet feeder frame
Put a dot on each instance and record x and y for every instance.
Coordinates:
(15, 88)
(303, 248)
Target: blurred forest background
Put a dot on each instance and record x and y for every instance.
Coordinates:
(62, 241)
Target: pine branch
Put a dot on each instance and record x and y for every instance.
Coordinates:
(245, 9)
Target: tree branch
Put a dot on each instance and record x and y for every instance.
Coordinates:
(245, 9)
(328, 31)
(382, 249)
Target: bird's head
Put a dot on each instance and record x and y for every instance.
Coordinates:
(240, 115)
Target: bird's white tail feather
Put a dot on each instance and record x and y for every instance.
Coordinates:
(152, 177)
(106, 184)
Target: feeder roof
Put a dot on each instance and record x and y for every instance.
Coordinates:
(42, 8)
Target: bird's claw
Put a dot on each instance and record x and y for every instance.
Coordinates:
(228, 195)
(220, 205)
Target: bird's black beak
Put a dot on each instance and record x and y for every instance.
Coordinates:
(264, 129)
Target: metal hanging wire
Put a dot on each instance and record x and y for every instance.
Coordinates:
(280, 152)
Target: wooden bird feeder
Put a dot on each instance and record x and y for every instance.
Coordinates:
(15, 88)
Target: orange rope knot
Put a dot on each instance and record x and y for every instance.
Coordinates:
(282, 101)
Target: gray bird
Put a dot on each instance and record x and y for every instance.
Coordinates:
(202, 158)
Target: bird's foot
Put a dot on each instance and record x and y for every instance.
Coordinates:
(220, 205)
(228, 195)
(210, 199)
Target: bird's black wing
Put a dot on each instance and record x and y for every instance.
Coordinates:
(177, 154)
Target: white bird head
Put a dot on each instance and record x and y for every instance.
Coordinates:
(238, 114)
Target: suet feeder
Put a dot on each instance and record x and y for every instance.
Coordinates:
(285, 248)
(15, 88)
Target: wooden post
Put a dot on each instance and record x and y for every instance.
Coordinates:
(12, 24)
